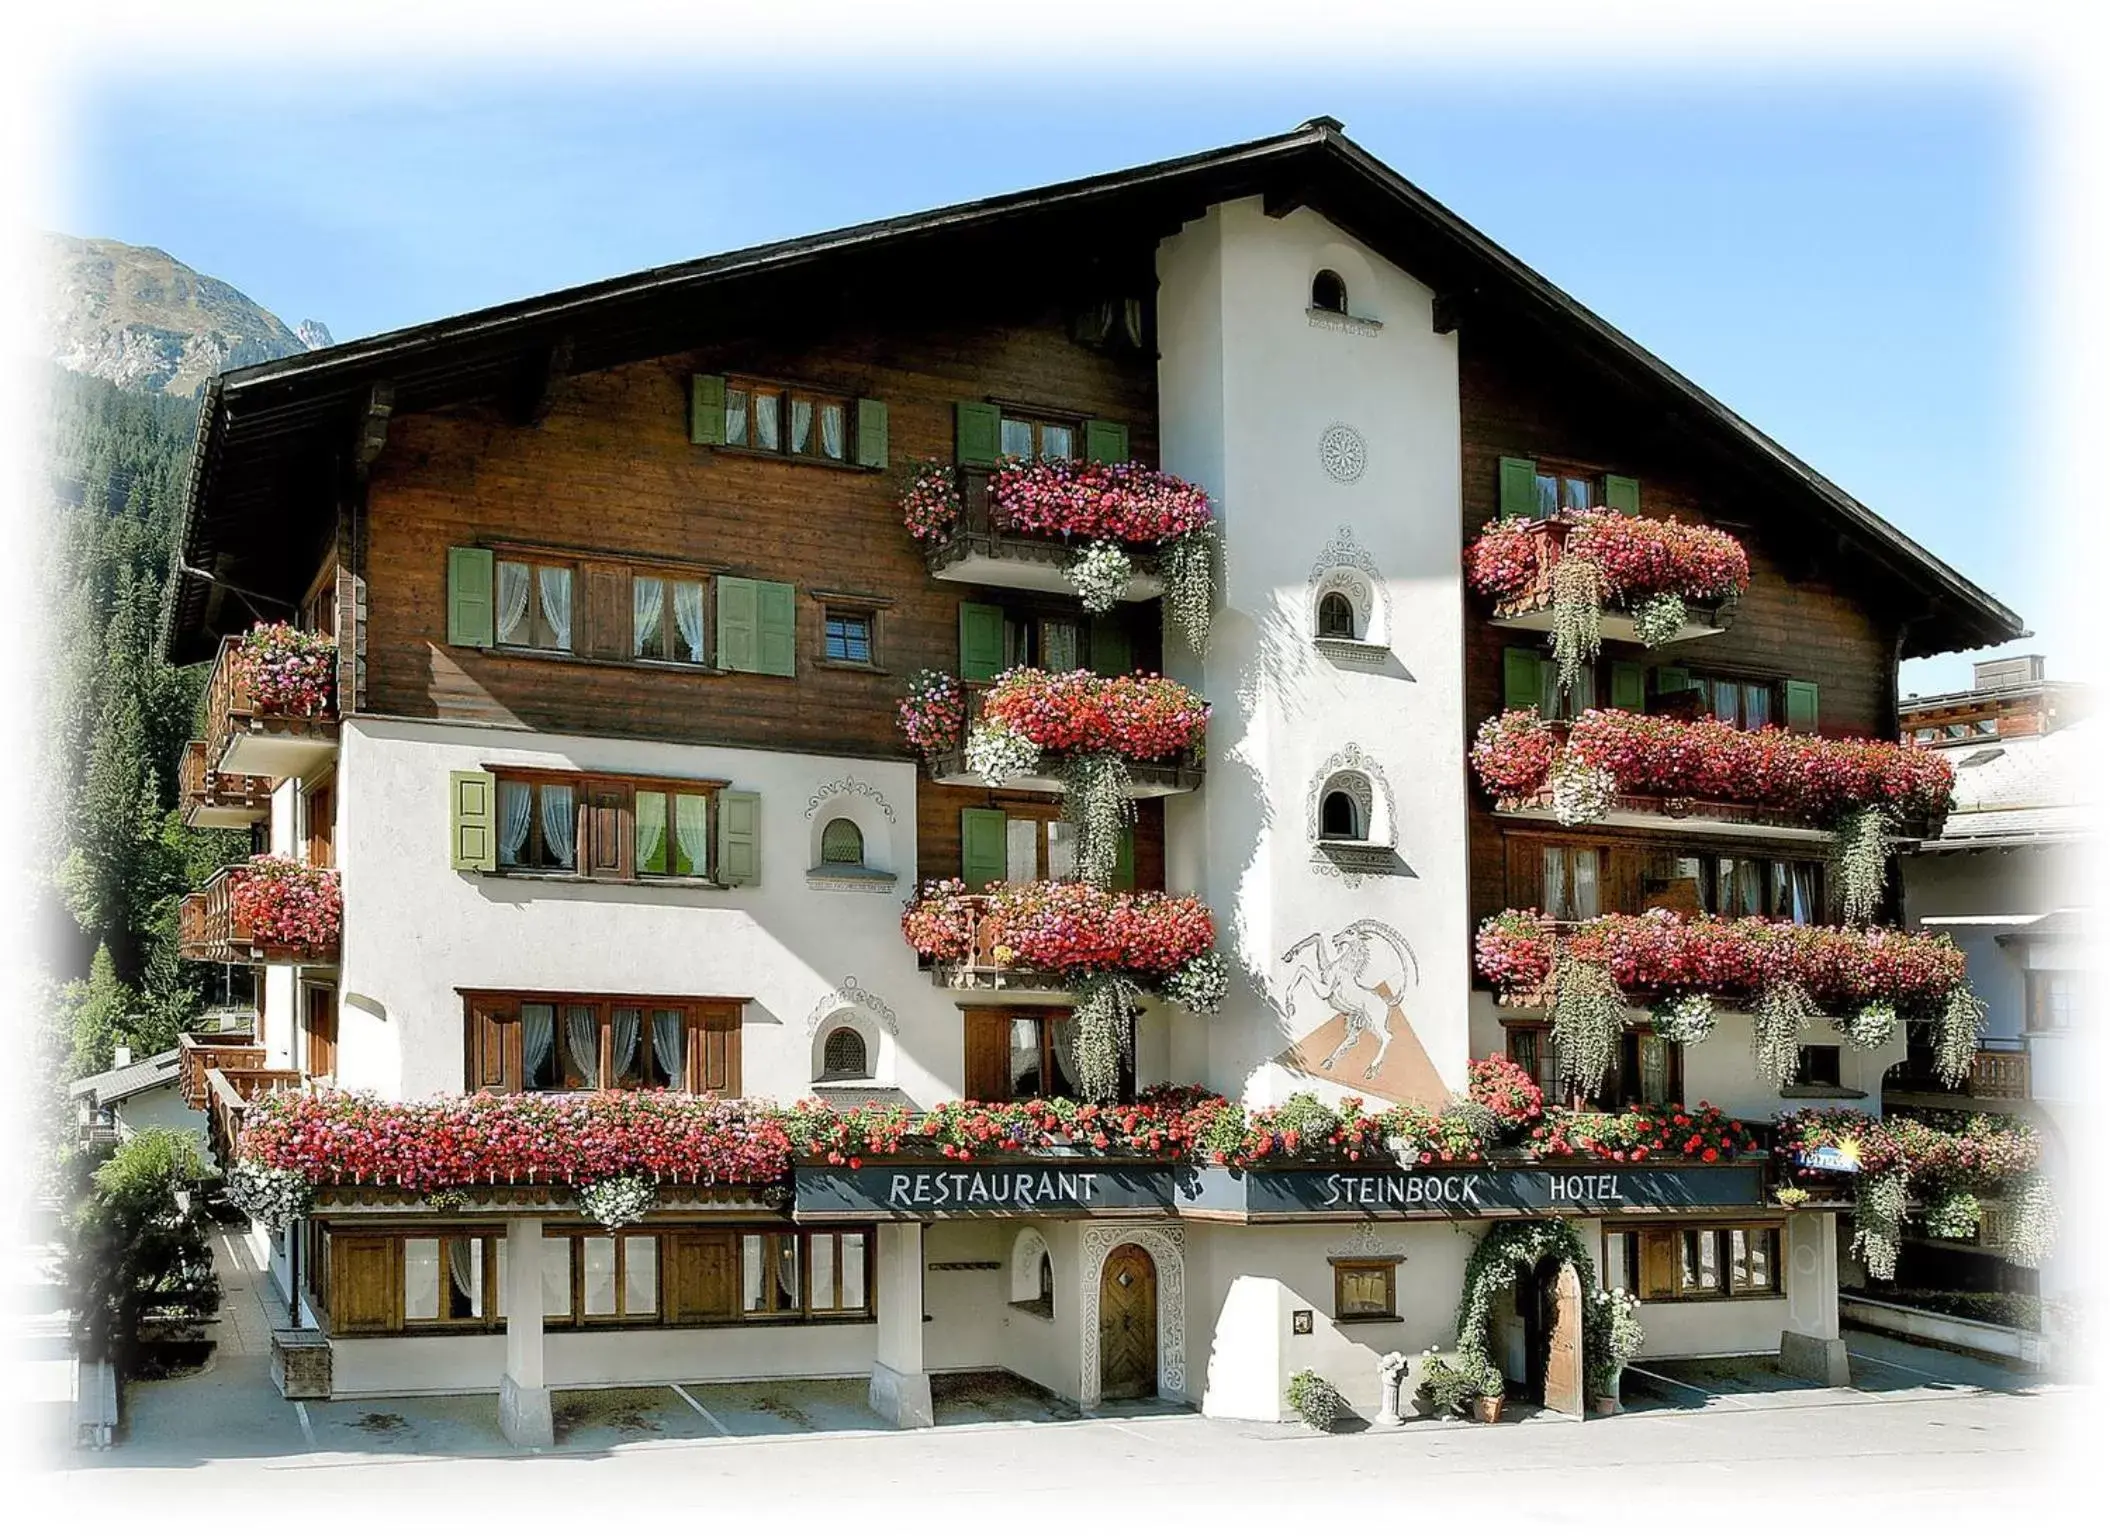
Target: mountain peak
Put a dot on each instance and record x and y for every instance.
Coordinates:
(144, 321)
(314, 335)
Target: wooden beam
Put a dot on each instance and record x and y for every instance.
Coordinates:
(1280, 202)
(372, 436)
(1449, 309)
(545, 376)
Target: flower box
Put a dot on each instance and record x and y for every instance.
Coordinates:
(271, 706)
(1036, 935)
(269, 909)
(1513, 562)
(1157, 725)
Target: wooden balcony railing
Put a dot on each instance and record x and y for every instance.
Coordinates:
(1996, 1074)
(986, 965)
(220, 799)
(1534, 609)
(208, 928)
(199, 1054)
(1146, 781)
(230, 1091)
(245, 740)
(984, 548)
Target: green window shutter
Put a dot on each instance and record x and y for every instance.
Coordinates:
(981, 642)
(1112, 655)
(976, 429)
(1520, 488)
(1520, 678)
(776, 628)
(1672, 680)
(1106, 442)
(982, 860)
(738, 625)
(469, 597)
(871, 433)
(1622, 494)
(1801, 700)
(739, 837)
(473, 802)
(706, 408)
(1629, 686)
(1125, 861)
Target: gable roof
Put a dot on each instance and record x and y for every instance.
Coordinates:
(156, 1071)
(274, 440)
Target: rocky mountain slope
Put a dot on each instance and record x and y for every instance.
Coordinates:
(142, 320)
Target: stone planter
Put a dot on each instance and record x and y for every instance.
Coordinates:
(1487, 1410)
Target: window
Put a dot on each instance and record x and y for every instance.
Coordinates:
(1336, 617)
(1047, 1285)
(843, 1055)
(606, 828)
(1647, 1070)
(1013, 1054)
(1556, 703)
(1566, 491)
(448, 1282)
(1736, 701)
(775, 418)
(573, 1043)
(598, 1278)
(1040, 847)
(2055, 1002)
(846, 636)
(804, 1274)
(842, 842)
(1817, 1066)
(1329, 292)
(1671, 1263)
(1340, 817)
(1363, 1290)
(672, 833)
(534, 606)
(1021, 437)
(537, 825)
(1736, 886)
(666, 619)
(1569, 884)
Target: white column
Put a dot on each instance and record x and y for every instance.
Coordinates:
(523, 1394)
(1810, 1345)
(900, 1384)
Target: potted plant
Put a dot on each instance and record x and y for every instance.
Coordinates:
(1615, 1338)
(1488, 1390)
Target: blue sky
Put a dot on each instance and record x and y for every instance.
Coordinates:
(1840, 258)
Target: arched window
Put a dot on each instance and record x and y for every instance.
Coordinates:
(1340, 817)
(1329, 292)
(842, 843)
(843, 1054)
(1336, 617)
(1047, 1283)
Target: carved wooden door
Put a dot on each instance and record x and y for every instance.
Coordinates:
(1128, 1324)
(1564, 1362)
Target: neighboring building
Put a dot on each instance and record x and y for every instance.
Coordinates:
(133, 1096)
(2009, 879)
(622, 606)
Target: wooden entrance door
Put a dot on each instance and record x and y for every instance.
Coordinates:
(1564, 1352)
(322, 1032)
(1128, 1324)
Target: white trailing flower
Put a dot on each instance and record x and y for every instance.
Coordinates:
(620, 1200)
(1777, 1022)
(1956, 1030)
(1190, 585)
(1860, 861)
(1871, 1026)
(1200, 985)
(1589, 1015)
(1879, 1219)
(1105, 1019)
(1095, 801)
(1658, 618)
(999, 754)
(1685, 1018)
(1100, 574)
(275, 1197)
(2032, 1221)
(1951, 1214)
(1578, 613)
(1582, 792)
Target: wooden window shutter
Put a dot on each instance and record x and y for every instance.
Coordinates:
(977, 433)
(987, 1075)
(1112, 655)
(473, 839)
(739, 837)
(1520, 677)
(701, 1278)
(495, 1046)
(609, 628)
(871, 433)
(1106, 442)
(982, 860)
(776, 629)
(1520, 488)
(1801, 702)
(363, 1283)
(1623, 494)
(738, 624)
(607, 842)
(707, 408)
(1125, 861)
(981, 641)
(714, 1051)
(1659, 1261)
(1629, 686)
(469, 606)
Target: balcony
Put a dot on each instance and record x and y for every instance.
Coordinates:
(271, 709)
(220, 799)
(1526, 600)
(1148, 779)
(229, 1092)
(986, 548)
(1038, 938)
(199, 1053)
(268, 911)
(1999, 1076)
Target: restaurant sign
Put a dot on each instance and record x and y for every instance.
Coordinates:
(952, 1189)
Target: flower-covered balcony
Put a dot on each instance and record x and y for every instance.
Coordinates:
(220, 799)
(1649, 580)
(1028, 730)
(271, 708)
(267, 911)
(1053, 936)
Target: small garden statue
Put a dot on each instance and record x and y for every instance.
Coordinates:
(1391, 1376)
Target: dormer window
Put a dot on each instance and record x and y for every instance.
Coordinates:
(1329, 293)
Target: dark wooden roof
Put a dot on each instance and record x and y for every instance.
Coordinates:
(274, 439)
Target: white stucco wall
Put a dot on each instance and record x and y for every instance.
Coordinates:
(1248, 385)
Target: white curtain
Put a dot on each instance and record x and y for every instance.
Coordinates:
(688, 618)
(555, 584)
(801, 426)
(832, 431)
(1065, 1057)
(1802, 881)
(512, 601)
(557, 822)
(788, 1271)
(668, 1038)
(622, 1045)
(1555, 883)
(736, 416)
(516, 813)
(648, 600)
(690, 827)
(1655, 1070)
(582, 1033)
(1585, 882)
(765, 421)
(466, 1267)
(538, 1039)
(651, 812)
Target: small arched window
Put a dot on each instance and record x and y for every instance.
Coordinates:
(1329, 292)
(843, 1054)
(1047, 1283)
(842, 843)
(1336, 617)
(1340, 817)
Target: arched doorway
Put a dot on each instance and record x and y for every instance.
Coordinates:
(1128, 1324)
(1549, 1300)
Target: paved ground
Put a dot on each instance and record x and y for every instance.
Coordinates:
(1920, 1431)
